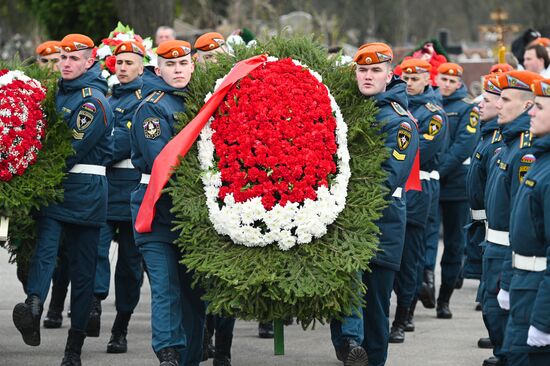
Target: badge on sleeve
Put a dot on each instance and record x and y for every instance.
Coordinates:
(474, 120)
(435, 125)
(404, 136)
(151, 128)
(84, 119)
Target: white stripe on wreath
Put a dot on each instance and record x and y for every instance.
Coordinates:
(309, 219)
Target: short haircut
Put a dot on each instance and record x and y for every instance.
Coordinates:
(165, 27)
(541, 52)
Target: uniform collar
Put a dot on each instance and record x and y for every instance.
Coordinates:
(489, 126)
(460, 93)
(512, 129)
(120, 89)
(90, 79)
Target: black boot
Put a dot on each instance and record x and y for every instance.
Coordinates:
(207, 345)
(26, 317)
(54, 317)
(485, 343)
(427, 292)
(222, 351)
(94, 321)
(352, 354)
(443, 311)
(397, 332)
(75, 340)
(409, 323)
(168, 357)
(265, 330)
(493, 361)
(118, 343)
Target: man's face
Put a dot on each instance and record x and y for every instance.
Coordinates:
(164, 35)
(208, 56)
(128, 67)
(372, 79)
(50, 61)
(540, 117)
(74, 64)
(488, 106)
(511, 105)
(531, 62)
(416, 83)
(448, 85)
(176, 72)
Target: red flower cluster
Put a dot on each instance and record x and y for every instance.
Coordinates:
(22, 126)
(110, 63)
(274, 136)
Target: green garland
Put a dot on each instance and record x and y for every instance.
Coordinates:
(315, 281)
(41, 183)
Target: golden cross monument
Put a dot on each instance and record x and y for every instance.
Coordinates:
(500, 28)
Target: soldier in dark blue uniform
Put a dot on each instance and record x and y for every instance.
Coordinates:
(177, 312)
(526, 276)
(374, 79)
(515, 100)
(432, 132)
(454, 210)
(122, 178)
(82, 103)
(491, 140)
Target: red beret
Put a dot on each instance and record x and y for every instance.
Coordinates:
(490, 84)
(500, 68)
(415, 66)
(130, 47)
(373, 53)
(209, 41)
(518, 79)
(48, 47)
(76, 42)
(450, 68)
(541, 88)
(174, 49)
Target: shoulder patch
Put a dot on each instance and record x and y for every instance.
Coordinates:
(151, 128)
(138, 94)
(398, 156)
(86, 92)
(77, 135)
(435, 125)
(525, 139)
(468, 100)
(155, 97)
(528, 159)
(497, 137)
(404, 135)
(473, 121)
(90, 107)
(398, 108)
(523, 169)
(431, 107)
(84, 119)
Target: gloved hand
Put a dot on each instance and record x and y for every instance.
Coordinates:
(503, 299)
(536, 338)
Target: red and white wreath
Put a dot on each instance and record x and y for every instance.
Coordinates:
(275, 157)
(22, 122)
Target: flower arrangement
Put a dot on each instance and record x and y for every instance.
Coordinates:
(22, 122)
(275, 159)
(105, 51)
(317, 279)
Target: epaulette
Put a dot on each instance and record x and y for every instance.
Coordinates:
(468, 100)
(138, 94)
(398, 108)
(155, 97)
(86, 92)
(432, 107)
(525, 139)
(497, 137)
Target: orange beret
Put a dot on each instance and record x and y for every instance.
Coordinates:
(541, 88)
(490, 84)
(450, 68)
(48, 47)
(543, 41)
(209, 41)
(518, 79)
(373, 53)
(415, 66)
(500, 68)
(76, 42)
(130, 47)
(174, 49)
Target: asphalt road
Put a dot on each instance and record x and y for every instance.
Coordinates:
(435, 342)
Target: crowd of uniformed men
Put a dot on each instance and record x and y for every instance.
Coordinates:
(484, 171)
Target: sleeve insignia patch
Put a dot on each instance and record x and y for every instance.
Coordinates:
(528, 159)
(474, 117)
(151, 128)
(399, 109)
(523, 169)
(403, 138)
(84, 119)
(435, 125)
(90, 107)
(398, 156)
(77, 135)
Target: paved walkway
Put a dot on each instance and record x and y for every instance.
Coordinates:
(435, 342)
